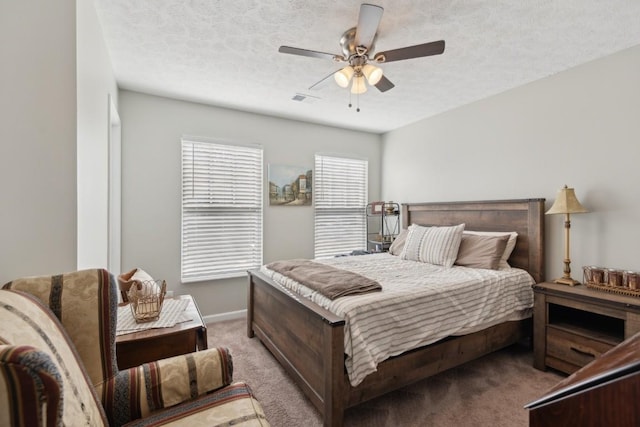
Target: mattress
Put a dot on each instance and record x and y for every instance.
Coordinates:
(419, 304)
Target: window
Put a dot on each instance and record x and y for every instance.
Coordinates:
(340, 198)
(221, 209)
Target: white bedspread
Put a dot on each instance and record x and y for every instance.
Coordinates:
(419, 304)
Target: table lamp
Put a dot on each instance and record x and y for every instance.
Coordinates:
(566, 203)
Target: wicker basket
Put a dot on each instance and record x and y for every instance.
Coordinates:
(146, 300)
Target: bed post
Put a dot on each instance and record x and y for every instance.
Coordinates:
(334, 376)
(536, 239)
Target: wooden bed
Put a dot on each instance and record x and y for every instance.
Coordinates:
(308, 340)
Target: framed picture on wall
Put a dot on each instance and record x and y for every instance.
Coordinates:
(290, 185)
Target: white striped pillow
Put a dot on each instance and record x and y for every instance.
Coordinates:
(433, 245)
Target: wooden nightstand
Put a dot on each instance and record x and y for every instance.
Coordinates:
(574, 324)
(154, 344)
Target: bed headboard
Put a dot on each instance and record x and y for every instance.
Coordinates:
(524, 216)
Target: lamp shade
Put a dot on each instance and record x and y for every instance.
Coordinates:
(372, 73)
(358, 86)
(566, 203)
(343, 76)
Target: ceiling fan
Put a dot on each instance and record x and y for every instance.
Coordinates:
(358, 52)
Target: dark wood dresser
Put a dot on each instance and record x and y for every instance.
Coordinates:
(605, 392)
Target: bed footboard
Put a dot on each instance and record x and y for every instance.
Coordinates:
(309, 347)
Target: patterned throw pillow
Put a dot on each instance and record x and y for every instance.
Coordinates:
(433, 245)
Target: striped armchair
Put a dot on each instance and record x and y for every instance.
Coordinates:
(58, 364)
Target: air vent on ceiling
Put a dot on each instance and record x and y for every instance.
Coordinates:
(301, 97)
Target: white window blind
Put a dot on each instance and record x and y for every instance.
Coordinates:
(221, 210)
(340, 192)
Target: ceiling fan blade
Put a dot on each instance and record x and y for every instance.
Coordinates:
(368, 21)
(417, 51)
(322, 82)
(310, 53)
(384, 84)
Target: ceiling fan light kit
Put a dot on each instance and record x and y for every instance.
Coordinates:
(372, 73)
(343, 77)
(357, 45)
(358, 85)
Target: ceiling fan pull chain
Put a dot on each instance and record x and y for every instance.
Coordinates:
(357, 102)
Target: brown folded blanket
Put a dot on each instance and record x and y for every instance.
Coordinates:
(330, 281)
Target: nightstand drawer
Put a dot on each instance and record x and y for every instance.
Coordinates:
(571, 348)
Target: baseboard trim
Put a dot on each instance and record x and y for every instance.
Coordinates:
(231, 315)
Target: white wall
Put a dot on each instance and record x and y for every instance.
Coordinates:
(38, 134)
(151, 211)
(580, 127)
(96, 82)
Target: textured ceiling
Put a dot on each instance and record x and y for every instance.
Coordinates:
(225, 52)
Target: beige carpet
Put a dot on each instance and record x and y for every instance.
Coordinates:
(490, 391)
